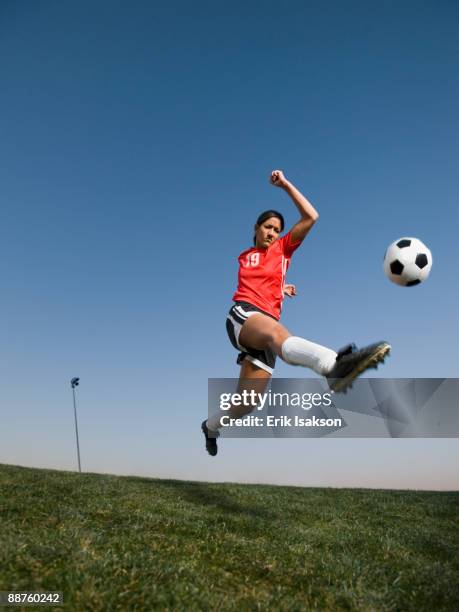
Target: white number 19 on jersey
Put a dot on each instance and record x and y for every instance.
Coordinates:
(252, 260)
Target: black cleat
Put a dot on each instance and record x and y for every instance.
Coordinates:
(351, 362)
(211, 439)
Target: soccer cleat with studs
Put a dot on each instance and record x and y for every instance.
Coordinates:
(351, 362)
(211, 439)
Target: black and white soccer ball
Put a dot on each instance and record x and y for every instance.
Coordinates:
(407, 262)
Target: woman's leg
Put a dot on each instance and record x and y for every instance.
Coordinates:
(261, 331)
(251, 378)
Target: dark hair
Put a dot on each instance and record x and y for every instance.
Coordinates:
(267, 214)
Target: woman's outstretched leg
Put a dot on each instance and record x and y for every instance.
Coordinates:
(341, 369)
(261, 331)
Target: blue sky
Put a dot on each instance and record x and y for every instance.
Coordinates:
(136, 144)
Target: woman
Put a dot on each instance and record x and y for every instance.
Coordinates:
(253, 321)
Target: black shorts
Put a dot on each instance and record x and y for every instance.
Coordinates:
(237, 316)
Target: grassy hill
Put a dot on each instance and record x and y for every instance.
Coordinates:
(124, 543)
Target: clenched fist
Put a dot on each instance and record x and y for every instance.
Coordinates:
(290, 290)
(277, 178)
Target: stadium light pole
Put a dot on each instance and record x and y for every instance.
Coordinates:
(75, 382)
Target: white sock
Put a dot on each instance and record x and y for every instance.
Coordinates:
(213, 422)
(298, 351)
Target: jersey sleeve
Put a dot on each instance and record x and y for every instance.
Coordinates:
(289, 247)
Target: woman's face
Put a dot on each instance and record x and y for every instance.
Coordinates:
(267, 233)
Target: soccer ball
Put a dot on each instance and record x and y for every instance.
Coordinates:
(407, 262)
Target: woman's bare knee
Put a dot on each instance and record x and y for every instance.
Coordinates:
(278, 337)
(260, 332)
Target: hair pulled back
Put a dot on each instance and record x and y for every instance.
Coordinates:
(267, 214)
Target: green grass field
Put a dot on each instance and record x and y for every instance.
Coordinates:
(125, 543)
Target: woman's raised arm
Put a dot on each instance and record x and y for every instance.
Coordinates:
(309, 214)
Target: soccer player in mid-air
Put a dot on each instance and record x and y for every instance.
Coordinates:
(253, 321)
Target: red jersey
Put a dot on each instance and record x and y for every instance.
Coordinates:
(262, 274)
